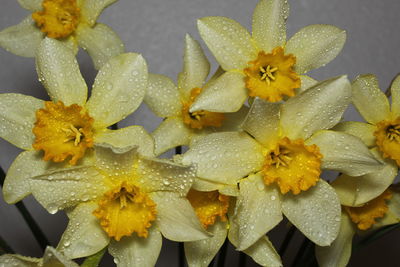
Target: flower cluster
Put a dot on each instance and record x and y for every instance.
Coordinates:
(259, 133)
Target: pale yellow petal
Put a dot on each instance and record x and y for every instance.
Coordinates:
(263, 122)
(204, 185)
(114, 160)
(269, 23)
(320, 107)
(134, 251)
(84, 235)
(195, 67)
(315, 212)
(31, 5)
(364, 131)
(225, 157)
(118, 90)
(395, 90)
(369, 100)
(53, 258)
(339, 252)
(233, 120)
(344, 153)
(306, 83)
(225, 94)
(59, 72)
(315, 45)
(257, 210)
(229, 42)
(18, 260)
(355, 191)
(91, 9)
(129, 136)
(22, 39)
(162, 96)
(100, 41)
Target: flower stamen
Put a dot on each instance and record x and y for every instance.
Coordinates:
(388, 139)
(266, 74)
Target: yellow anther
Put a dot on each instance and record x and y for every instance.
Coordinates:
(267, 73)
(388, 138)
(73, 134)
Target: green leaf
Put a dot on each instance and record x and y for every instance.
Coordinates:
(94, 260)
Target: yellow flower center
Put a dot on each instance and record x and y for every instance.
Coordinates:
(201, 118)
(208, 206)
(62, 131)
(365, 216)
(293, 165)
(271, 76)
(124, 210)
(58, 19)
(388, 139)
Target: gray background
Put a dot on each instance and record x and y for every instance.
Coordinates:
(156, 29)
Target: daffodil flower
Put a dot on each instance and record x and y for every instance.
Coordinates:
(379, 134)
(69, 125)
(277, 161)
(71, 21)
(173, 102)
(51, 258)
(379, 212)
(123, 200)
(265, 63)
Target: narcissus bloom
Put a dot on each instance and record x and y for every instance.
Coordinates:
(65, 128)
(173, 102)
(51, 258)
(71, 21)
(123, 200)
(380, 211)
(263, 64)
(277, 161)
(380, 134)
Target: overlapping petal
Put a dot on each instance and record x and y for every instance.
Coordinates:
(364, 131)
(32, 5)
(91, 9)
(395, 91)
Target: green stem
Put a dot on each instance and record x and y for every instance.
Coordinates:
(94, 260)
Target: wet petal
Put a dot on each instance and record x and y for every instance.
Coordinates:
(269, 23)
(345, 153)
(366, 90)
(364, 131)
(32, 5)
(135, 251)
(118, 90)
(233, 120)
(162, 96)
(315, 45)
(395, 90)
(59, 73)
(228, 41)
(22, 39)
(84, 235)
(225, 157)
(115, 160)
(52, 257)
(91, 9)
(306, 83)
(320, 107)
(315, 212)
(101, 42)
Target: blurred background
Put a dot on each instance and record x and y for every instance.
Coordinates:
(156, 29)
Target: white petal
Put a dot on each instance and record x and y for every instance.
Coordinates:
(18, 113)
(59, 72)
(115, 160)
(315, 45)
(228, 41)
(129, 136)
(195, 67)
(233, 120)
(118, 90)
(320, 107)
(63, 188)
(345, 153)
(306, 83)
(269, 23)
(339, 252)
(101, 42)
(200, 253)
(355, 191)
(32, 5)
(171, 133)
(22, 39)
(7, 260)
(162, 96)
(369, 100)
(201, 184)
(395, 90)
(315, 212)
(164, 175)
(225, 94)
(84, 235)
(91, 9)
(225, 157)
(257, 210)
(53, 258)
(137, 251)
(176, 218)
(364, 131)
(263, 122)
(28, 164)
